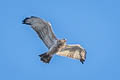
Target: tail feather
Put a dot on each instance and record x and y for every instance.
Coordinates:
(45, 57)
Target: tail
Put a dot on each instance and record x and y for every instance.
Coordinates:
(45, 57)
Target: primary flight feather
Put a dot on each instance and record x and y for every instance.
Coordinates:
(55, 46)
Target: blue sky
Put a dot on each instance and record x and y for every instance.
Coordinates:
(95, 24)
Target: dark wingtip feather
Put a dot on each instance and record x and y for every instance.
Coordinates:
(24, 21)
(82, 61)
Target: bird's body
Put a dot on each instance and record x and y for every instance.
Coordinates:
(55, 46)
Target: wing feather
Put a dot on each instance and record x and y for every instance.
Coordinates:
(43, 29)
(73, 51)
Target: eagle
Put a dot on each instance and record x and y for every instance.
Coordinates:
(55, 46)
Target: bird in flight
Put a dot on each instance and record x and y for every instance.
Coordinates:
(55, 46)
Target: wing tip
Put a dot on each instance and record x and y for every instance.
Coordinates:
(25, 20)
(82, 61)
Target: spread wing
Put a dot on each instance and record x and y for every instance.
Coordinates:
(43, 29)
(73, 51)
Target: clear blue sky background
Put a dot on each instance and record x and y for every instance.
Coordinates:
(95, 24)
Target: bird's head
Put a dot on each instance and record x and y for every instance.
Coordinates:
(61, 42)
